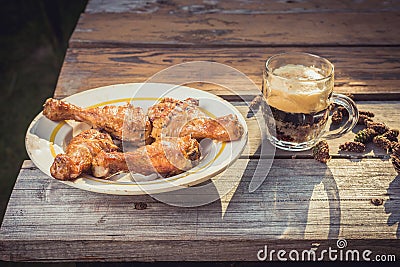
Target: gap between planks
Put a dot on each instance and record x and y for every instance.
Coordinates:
(244, 7)
(333, 29)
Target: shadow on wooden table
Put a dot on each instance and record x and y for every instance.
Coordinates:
(392, 204)
(281, 206)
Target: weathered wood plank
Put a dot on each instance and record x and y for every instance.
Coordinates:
(149, 251)
(359, 71)
(212, 30)
(239, 6)
(301, 201)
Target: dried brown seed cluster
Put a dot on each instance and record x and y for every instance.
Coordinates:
(387, 140)
(140, 205)
(337, 117)
(321, 152)
(366, 113)
(379, 127)
(377, 132)
(352, 147)
(338, 114)
(377, 201)
(382, 142)
(363, 119)
(365, 136)
(392, 135)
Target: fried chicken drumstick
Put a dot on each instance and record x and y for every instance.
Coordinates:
(167, 157)
(79, 154)
(226, 128)
(172, 117)
(136, 128)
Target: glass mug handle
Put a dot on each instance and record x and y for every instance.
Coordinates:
(352, 120)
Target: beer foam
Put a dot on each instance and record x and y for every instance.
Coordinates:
(296, 89)
(298, 72)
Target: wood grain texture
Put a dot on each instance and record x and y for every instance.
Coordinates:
(368, 73)
(212, 30)
(301, 202)
(149, 251)
(239, 6)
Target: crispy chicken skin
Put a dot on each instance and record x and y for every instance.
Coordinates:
(122, 122)
(79, 154)
(167, 157)
(171, 117)
(226, 128)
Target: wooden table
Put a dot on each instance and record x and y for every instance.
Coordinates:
(301, 205)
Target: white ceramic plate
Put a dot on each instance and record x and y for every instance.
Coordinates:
(45, 138)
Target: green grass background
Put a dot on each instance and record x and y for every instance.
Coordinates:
(33, 40)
